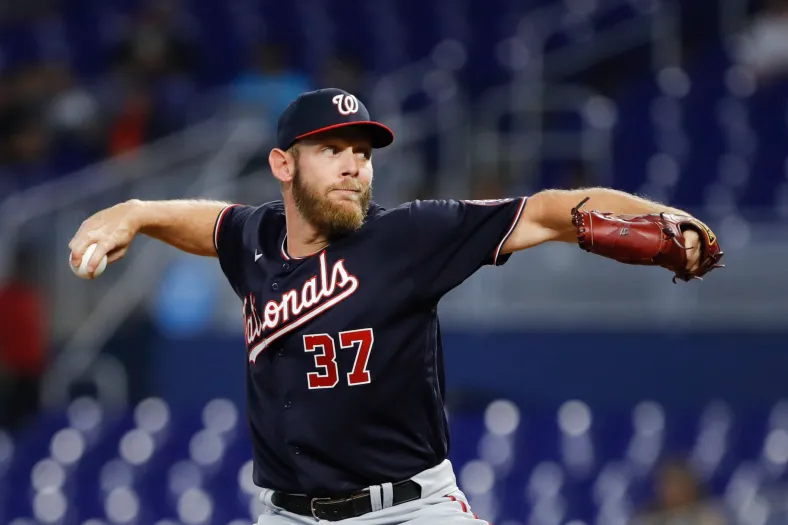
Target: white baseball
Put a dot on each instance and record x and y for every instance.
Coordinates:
(82, 271)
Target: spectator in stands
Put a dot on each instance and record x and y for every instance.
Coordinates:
(23, 341)
(679, 499)
(269, 84)
(136, 122)
(764, 46)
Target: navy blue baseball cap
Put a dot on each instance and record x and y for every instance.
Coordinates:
(326, 109)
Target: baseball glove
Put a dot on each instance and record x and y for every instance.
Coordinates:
(651, 240)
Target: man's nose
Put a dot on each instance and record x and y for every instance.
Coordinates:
(349, 164)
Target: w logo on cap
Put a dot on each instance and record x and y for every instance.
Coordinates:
(346, 104)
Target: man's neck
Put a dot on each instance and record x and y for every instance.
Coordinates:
(303, 239)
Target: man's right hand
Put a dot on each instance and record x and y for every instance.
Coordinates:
(112, 230)
(188, 225)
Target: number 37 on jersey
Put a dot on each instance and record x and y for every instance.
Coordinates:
(324, 347)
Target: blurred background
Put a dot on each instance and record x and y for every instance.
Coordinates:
(581, 391)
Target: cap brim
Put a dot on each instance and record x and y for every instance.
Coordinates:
(380, 136)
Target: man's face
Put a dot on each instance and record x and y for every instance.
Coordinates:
(332, 184)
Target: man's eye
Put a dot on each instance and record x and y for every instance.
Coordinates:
(330, 150)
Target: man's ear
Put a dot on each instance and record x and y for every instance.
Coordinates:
(282, 165)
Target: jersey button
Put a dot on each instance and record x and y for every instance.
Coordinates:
(288, 404)
(285, 266)
(275, 286)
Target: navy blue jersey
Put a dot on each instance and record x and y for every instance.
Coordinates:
(344, 359)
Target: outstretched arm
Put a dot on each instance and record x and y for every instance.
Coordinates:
(185, 224)
(650, 240)
(548, 214)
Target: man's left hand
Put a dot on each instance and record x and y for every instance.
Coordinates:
(679, 243)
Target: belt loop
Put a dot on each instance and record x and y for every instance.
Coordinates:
(266, 497)
(388, 495)
(374, 497)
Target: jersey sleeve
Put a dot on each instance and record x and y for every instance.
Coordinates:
(457, 237)
(228, 239)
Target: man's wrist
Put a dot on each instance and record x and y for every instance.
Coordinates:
(138, 213)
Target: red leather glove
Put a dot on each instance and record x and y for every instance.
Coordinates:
(651, 240)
